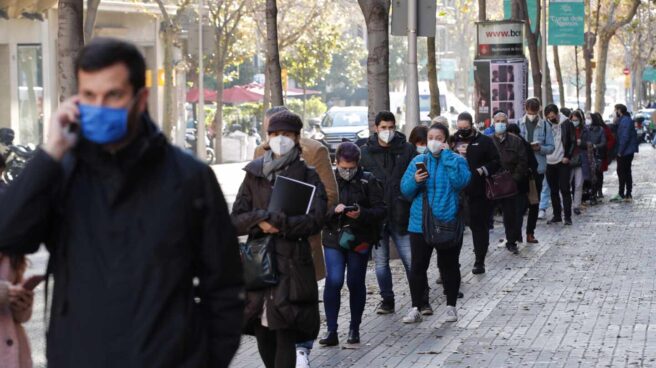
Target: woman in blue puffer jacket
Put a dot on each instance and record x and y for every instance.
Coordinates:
(448, 174)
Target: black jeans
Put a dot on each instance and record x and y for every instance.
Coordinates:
(480, 209)
(534, 209)
(510, 220)
(520, 210)
(448, 263)
(558, 177)
(624, 174)
(277, 347)
(600, 182)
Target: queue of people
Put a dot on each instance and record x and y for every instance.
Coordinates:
(139, 232)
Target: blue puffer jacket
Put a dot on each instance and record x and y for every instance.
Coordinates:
(448, 175)
(627, 138)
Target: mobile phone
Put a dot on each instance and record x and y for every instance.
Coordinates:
(350, 209)
(421, 167)
(33, 281)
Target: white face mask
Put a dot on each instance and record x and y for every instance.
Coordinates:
(588, 122)
(435, 146)
(386, 135)
(281, 145)
(421, 149)
(531, 117)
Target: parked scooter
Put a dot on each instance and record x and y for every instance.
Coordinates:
(16, 156)
(191, 144)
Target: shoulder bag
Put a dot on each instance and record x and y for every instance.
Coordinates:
(259, 261)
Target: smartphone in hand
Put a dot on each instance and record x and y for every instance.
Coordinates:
(33, 281)
(421, 167)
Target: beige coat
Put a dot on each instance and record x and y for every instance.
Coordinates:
(316, 155)
(14, 345)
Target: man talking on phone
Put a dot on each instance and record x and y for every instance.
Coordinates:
(144, 257)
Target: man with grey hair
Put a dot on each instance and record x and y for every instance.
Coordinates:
(514, 160)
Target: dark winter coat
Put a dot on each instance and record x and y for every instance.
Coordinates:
(481, 153)
(627, 138)
(365, 191)
(532, 162)
(596, 136)
(388, 164)
(293, 303)
(568, 137)
(127, 234)
(513, 156)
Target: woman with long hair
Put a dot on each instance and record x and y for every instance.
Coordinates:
(602, 152)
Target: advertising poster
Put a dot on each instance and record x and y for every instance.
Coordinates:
(501, 85)
(500, 39)
(566, 22)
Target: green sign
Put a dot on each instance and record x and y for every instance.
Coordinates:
(532, 11)
(566, 21)
(447, 69)
(649, 75)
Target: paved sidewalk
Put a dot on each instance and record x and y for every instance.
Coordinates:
(583, 297)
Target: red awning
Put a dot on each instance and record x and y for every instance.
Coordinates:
(238, 94)
(193, 95)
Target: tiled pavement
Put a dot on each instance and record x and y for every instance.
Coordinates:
(583, 297)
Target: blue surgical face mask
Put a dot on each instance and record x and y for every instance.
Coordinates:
(102, 124)
(500, 128)
(421, 149)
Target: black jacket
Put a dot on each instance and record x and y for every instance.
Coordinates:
(523, 186)
(127, 234)
(481, 153)
(365, 191)
(388, 164)
(293, 303)
(513, 156)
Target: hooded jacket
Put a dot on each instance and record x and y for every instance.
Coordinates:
(388, 164)
(128, 233)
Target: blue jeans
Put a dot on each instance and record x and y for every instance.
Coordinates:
(545, 196)
(307, 345)
(381, 257)
(355, 265)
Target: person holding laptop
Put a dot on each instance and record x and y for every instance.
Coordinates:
(281, 315)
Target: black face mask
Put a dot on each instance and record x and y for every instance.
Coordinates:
(465, 133)
(554, 121)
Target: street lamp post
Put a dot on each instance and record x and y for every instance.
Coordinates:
(412, 89)
(200, 126)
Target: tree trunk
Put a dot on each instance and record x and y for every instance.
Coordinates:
(533, 50)
(559, 76)
(435, 108)
(273, 54)
(169, 91)
(304, 102)
(482, 15)
(376, 14)
(600, 75)
(70, 39)
(548, 84)
(90, 21)
(218, 118)
(588, 80)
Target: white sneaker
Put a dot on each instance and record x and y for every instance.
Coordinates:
(413, 316)
(302, 358)
(542, 214)
(451, 314)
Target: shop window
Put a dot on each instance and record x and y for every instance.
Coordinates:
(30, 94)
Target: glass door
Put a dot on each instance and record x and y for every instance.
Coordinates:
(30, 94)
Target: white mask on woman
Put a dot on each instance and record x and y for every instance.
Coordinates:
(281, 145)
(435, 146)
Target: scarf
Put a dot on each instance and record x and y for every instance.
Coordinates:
(273, 165)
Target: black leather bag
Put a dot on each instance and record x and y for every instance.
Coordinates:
(500, 185)
(258, 257)
(439, 234)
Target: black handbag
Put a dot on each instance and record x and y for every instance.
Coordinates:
(439, 234)
(500, 185)
(258, 258)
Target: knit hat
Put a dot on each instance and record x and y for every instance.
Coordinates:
(285, 121)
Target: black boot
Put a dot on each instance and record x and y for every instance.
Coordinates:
(353, 337)
(479, 265)
(330, 339)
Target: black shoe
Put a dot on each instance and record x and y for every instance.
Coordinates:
(426, 310)
(478, 269)
(577, 211)
(568, 222)
(555, 220)
(330, 339)
(460, 294)
(353, 337)
(512, 248)
(386, 307)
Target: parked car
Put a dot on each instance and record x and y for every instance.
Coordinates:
(341, 124)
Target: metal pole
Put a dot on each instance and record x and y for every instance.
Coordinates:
(412, 89)
(200, 127)
(544, 53)
(576, 60)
